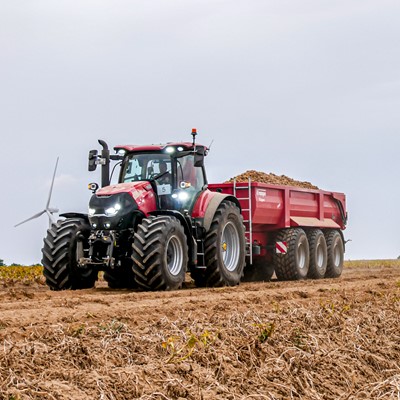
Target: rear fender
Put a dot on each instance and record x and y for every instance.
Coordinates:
(178, 215)
(208, 204)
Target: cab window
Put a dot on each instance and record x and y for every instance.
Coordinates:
(141, 167)
(189, 175)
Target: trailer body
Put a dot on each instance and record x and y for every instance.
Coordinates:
(269, 208)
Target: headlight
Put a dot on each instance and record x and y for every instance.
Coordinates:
(110, 212)
(115, 212)
(181, 195)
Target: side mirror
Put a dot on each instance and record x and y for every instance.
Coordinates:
(92, 160)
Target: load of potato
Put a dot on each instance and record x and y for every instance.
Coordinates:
(257, 176)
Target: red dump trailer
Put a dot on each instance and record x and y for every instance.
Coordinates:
(292, 231)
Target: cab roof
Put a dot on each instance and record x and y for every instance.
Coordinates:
(157, 147)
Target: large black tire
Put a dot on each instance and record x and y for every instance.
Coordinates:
(224, 249)
(318, 254)
(294, 264)
(160, 253)
(261, 270)
(335, 248)
(60, 254)
(121, 277)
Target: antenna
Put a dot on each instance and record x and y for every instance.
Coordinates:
(209, 147)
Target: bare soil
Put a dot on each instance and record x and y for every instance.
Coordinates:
(321, 339)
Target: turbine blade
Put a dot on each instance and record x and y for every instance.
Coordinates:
(52, 219)
(52, 184)
(33, 217)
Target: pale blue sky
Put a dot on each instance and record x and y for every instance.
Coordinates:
(305, 88)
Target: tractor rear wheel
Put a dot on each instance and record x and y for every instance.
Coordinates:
(63, 246)
(318, 254)
(294, 264)
(335, 248)
(225, 248)
(160, 253)
(260, 271)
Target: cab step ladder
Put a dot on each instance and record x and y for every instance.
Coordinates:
(200, 253)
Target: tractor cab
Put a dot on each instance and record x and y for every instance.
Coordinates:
(175, 172)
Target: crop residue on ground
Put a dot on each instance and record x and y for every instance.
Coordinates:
(330, 339)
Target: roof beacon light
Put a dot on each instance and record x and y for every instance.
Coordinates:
(194, 134)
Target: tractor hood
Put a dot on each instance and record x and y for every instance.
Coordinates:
(127, 187)
(129, 197)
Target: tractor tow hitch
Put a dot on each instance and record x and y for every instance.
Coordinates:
(101, 250)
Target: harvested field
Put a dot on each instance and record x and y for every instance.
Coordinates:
(257, 176)
(321, 339)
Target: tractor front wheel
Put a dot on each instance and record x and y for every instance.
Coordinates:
(64, 245)
(160, 253)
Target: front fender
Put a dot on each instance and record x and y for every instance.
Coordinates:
(75, 215)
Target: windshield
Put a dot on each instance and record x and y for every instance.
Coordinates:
(143, 167)
(177, 180)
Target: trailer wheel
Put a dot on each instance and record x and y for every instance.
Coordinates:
(121, 278)
(335, 248)
(318, 254)
(160, 253)
(294, 264)
(225, 248)
(261, 270)
(64, 244)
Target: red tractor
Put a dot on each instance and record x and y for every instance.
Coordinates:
(159, 222)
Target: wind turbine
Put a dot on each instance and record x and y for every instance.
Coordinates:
(48, 210)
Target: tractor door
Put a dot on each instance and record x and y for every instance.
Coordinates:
(190, 182)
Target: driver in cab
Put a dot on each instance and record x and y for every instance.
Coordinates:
(164, 175)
